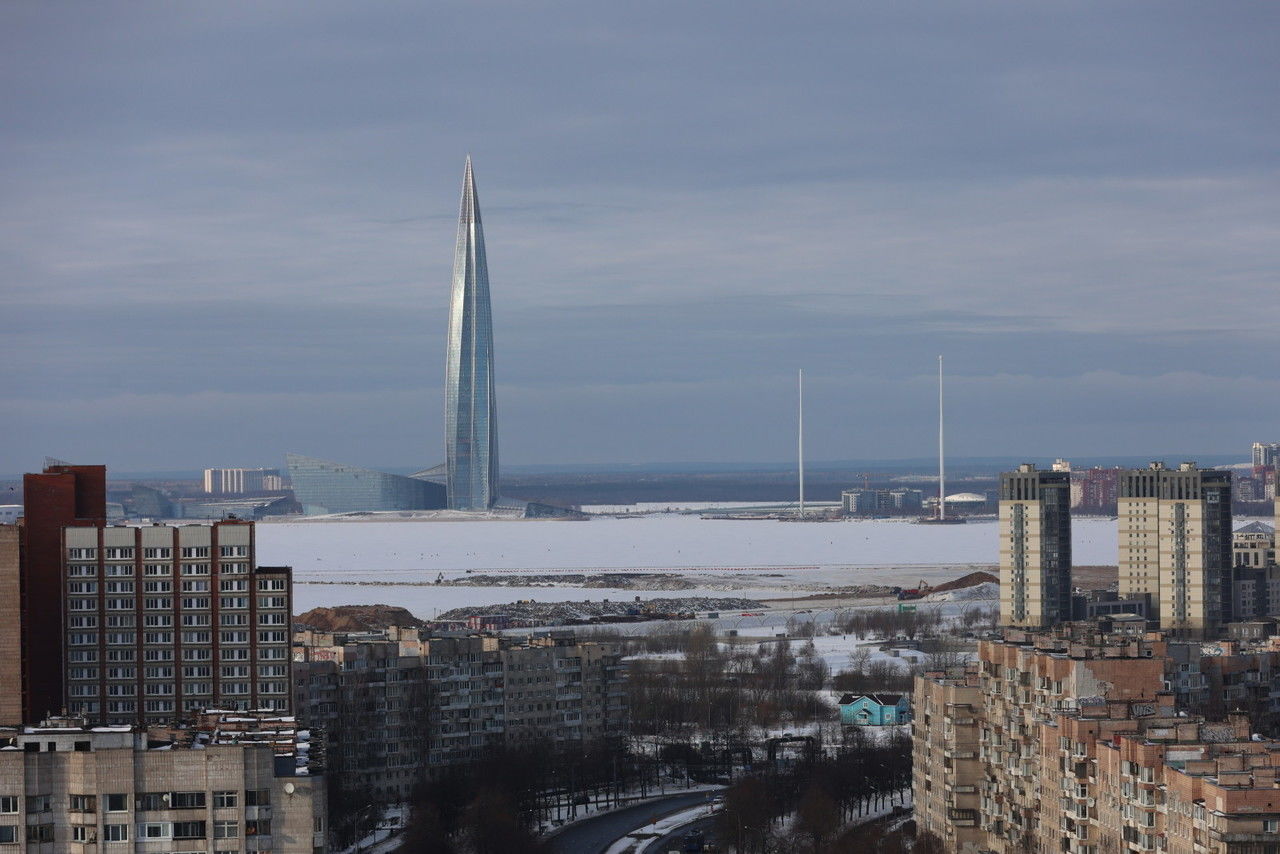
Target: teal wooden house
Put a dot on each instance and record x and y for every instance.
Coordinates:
(875, 709)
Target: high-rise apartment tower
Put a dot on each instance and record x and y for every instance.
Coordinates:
(1175, 544)
(1035, 547)
(61, 495)
(471, 420)
(1266, 454)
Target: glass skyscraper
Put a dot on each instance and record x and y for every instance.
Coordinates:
(471, 421)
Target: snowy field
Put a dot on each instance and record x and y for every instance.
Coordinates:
(396, 562)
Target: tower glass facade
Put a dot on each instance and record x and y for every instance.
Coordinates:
(471, 422)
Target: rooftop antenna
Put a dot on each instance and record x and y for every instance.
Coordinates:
(800, 442)
(942, 468)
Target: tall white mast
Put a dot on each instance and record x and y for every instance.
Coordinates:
(800, 442)
(942, 469)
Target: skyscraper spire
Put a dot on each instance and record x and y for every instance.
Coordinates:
(471, 421)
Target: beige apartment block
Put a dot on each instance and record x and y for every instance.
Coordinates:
(947, 769)
(1190, 788)
(1035, 547)
(1175, 545)
(1027, 694)
(67, 788)
(10, 627)
(1081, 750)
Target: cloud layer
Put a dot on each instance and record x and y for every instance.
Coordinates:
(226, 228)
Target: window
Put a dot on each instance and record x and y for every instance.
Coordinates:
(1271, 825)
(117, 803)
(38, 803)
(84, 833)
(8, 834)
(187, 800)
(39, 833)
(156, 830)
(84, 803)
(225, 799)
(8, 804)
(258, 827)
(257, 798)
(115, 832)
(188, 829)
(153, 801)
(226, 829)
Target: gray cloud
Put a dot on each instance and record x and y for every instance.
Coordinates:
(226, 228)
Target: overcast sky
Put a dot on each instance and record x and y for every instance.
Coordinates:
(226, 229)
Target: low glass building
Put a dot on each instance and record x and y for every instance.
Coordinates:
(325, 487)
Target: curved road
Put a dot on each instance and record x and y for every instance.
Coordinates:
(595, 835)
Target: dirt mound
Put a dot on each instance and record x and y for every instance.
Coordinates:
(971, 580)
(356, 618)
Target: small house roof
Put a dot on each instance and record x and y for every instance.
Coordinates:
(878, 699)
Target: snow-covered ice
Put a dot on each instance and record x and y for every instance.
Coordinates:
(384, 561)
(652, 542)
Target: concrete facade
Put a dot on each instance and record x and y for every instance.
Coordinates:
(1175, 545)
(11, 622)
(1035, 547)
(396, 704)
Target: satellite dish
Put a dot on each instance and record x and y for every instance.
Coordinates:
(289, 788)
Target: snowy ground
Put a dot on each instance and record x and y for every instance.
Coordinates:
(421, 549)
(396, 562)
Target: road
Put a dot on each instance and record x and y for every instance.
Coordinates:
(595, 835)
